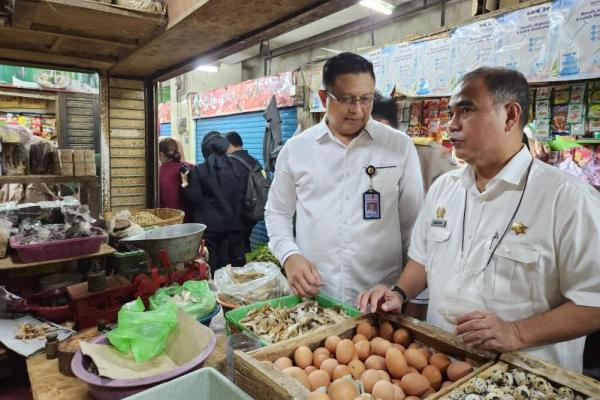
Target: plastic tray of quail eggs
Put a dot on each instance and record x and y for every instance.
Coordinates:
(504, 382)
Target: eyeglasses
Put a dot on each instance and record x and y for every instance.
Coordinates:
(364, 101)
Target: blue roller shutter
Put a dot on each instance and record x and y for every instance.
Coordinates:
(165, 129)
(251, 127)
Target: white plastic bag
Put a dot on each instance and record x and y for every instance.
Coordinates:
(256, 281)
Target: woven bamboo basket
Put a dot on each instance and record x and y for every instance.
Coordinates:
(257, 377)
(167, 216)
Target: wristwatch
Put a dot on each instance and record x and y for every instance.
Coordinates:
(401, 292)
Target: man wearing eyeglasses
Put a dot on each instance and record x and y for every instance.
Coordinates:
(355, 187)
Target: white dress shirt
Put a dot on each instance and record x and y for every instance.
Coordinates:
(323, 181)
(556, 258)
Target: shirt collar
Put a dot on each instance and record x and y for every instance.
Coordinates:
(512, 173)
(323, 130)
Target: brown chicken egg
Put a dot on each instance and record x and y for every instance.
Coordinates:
(363, 349)
(383, 390)
(414, 384)
(341, 371)
(321, 350)
(386, 331)
(331, 343)
(309, 369)
(433, 374)
(299, 375)
(380, 347)
(414, 345)
(283, 363)
(399, 347)
(319, 358)
(345, 350)
(402, 336)
(441, 361)
(426, 352)
(303, 357)
(358, 338)
(342, 389)
(412, 398)
(375, 362)
(384, 375)
(429, 392)
(329, 366)
(319, 378)
(457, 370)
(415, 359)
(365, 329)
(317, 396)
(398, 393)
(356, 368)
(396, 363)
(369, 378)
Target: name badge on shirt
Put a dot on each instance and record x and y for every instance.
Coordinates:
(438, 222)
(371, 205)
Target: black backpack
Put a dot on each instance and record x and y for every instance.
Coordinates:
(257, 191)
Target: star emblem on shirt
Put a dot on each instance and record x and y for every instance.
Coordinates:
(519, 228)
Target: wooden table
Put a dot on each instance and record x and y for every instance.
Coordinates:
(11, 262)
(47, 383)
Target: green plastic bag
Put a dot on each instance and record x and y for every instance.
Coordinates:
(198, 302)
(145, 333)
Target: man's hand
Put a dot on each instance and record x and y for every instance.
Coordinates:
(379, 297)
(302, 275)
(484, 330)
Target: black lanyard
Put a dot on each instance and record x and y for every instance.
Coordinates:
(462, 244)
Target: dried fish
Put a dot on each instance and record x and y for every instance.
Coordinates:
(29, 331)
(275, 324)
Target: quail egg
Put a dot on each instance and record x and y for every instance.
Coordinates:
(566, 392)
(473, 396)
(476, 385)
(497, 376)
(522, 393)
(520, 378)
(537, 395)
(456, 394)
(508, 379)
(507, 396)
(494, 394)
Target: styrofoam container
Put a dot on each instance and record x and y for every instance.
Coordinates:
(205, 383)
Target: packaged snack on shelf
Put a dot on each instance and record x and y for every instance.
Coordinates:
(577, 94)
(575, 113)
(542, 128)
(577, 129)
(594, 125)
(542, 109)
(415, 113)
(559, 119)
(543, 92)
(595, 97)
(561, 97)
(594, 111)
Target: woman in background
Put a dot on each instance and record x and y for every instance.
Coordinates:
(169, 179)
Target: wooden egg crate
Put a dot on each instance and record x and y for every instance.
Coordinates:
(557, 377)
(256, 375)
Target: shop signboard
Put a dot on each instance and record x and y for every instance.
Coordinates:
(48, 79)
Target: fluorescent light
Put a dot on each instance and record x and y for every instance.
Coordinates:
(380, 6)
(207, 68)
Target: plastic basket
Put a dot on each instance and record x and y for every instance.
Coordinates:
(58, 249)
(234, 317)
(167, 216)
(205, 383)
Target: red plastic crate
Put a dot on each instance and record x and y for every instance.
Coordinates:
(58, 249)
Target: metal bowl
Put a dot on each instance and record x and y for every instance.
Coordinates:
(181, 241)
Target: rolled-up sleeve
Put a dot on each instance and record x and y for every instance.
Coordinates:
(576, 236)
(280, 209)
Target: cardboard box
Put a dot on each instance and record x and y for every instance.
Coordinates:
(508, 3)
(90, 169)
(78, 156)
(89, 156)
(79, 169)
(66, 169)
(66, 155)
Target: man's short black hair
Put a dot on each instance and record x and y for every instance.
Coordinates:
(505, 85)
(234, 138)
(385, 108)
(345, 63)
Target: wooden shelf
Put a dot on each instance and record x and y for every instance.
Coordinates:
(11, 262)
(48, 179)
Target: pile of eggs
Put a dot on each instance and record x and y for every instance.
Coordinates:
(378, 363)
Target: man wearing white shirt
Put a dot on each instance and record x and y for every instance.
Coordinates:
(507, 246)
(355, 187)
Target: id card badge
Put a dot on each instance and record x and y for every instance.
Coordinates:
(371, 204)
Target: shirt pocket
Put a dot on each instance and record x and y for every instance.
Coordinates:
(437, 244)
(387, 179)
(514, 270)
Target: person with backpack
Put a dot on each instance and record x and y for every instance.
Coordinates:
(237, 152)
(215, 189)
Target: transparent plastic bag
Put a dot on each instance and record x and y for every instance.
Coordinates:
(256, 281)
(11, 303)
(194, 297)
(5, 227)
(145, 333)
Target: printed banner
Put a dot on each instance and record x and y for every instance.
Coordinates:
(48, 79)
